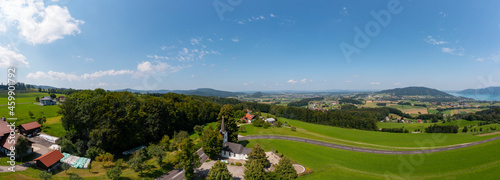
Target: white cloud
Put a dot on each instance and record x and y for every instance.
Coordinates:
(493, 57)
(195, 41)
(245, 84)
(453, 51)
(157, 57)
(53, 75)
(344, 11)
(147, 66)
(38, 24)
(356, 76)
(448, 50)
(303, 80)
(272, 15)
(397, 84)
(10, 58)
(100, 84)
(111, 72)
(348, 81)
(291, 81)
(442, 14)
(235, 39)
(375, 83)
(433, 41)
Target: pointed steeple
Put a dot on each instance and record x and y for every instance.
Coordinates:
(222, 127)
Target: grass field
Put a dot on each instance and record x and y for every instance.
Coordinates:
(24, 103)
(371, 139)
(476, 162)
(53, 127)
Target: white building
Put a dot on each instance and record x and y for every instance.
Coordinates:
(270, 120)
(232, 150)
(47, 100)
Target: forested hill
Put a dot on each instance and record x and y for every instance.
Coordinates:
(197, 92)
(488, 90)
(415, 91)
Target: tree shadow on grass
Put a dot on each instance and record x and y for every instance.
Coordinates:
(244, 142)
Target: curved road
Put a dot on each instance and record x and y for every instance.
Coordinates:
(366, 150)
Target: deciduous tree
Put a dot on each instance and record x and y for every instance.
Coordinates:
(188, 159)
(212, 142)
(137, 162)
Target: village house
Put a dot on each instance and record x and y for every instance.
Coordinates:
(29, 128)
(248, 117)
(270, 120)
(5, 146)
(49, 160)
(61, 99)
(47, 100)
(232, 150)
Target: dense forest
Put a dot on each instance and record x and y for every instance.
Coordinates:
(118, 121)
(490, 115)
(350, 101)
(304, 102)
(442, 129)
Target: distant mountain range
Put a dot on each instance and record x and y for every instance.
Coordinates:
(488, 90)
(198, 92)
(415, 91)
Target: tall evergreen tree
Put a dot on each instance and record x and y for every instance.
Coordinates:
(285, 169)
(212, 142)
(254, 171)
(188, 158)
(258, 155)
(219, 172)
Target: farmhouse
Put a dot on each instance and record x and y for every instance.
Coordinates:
(232, 150)
(29, 128)
(270, 120)
(6, 140)
(47, 100)
(49, 160)
(248, 117)
(61, 98)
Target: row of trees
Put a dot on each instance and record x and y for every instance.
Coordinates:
(442, 129)
(395, 130)
(304, 102)
(349, 101)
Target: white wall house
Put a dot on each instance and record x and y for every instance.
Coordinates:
(45, 101)
(235, 151)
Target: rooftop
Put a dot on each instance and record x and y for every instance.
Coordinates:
(31, 125)
(236, 148)
(50, 158)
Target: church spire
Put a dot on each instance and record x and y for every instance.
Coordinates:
(222, 128)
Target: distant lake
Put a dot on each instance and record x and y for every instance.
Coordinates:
(482, 97)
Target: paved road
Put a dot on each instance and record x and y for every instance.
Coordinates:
(366, 150)
(178, 174)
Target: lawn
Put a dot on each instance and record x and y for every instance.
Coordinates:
(53, 127)
(476, 162)
(371, 139)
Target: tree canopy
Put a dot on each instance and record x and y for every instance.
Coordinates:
(219, 171)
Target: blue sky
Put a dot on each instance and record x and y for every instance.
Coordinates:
(251, 45)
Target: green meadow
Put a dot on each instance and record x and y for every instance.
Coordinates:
(476, 162)
(362, 138)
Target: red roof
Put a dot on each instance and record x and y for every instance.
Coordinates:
(4, 128)
(50, 158)
(31, 125)
(249, 116)
(4, 143)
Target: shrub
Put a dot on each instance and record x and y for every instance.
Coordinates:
(293, 128)
(237, 164)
